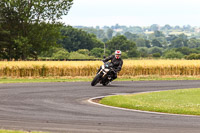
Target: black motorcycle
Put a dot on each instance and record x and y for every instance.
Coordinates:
(104, 75)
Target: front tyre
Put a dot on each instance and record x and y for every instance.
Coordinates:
(95, 80)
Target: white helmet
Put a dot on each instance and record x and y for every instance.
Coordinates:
(118, 54)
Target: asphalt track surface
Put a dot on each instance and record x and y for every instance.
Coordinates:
(64, 108)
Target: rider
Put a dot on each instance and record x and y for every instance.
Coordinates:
(116, 61)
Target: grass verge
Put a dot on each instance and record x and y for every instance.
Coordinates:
(89, 79)
(10, 131)
(183, 101)
(32, 80)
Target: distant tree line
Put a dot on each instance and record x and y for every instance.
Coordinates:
(157, 45)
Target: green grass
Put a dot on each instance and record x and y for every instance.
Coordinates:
(27, 80)
(11, 131)
(185, 101)
(88, 79)
(150, 78)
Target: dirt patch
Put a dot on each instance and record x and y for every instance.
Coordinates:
(97, 100)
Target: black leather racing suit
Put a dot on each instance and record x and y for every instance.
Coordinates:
(117, 64)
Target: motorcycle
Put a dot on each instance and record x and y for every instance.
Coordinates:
(104, 75)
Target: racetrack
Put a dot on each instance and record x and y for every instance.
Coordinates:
(63, 107)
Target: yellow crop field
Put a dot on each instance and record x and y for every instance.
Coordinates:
(89, 68)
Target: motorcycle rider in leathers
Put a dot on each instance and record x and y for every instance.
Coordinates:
(116, 61)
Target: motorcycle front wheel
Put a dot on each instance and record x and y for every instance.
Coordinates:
(95, 80)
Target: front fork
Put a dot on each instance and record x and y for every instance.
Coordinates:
(101, 71)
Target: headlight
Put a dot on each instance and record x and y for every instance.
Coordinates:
(106, 70)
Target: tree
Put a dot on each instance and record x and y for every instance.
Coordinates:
(179, 42)
(98, 32)
(140, 42)
(4, 41)
(76, 55)
(167, 27)
(61, 54)
(173, 54)
(154, 27)
(46, 38)
(136, 29)
(130, 36)
(120, 42)
(75, 39)
(171, 38)
(34, 11)
(193, 56)
(155, 50)
(104, 40)
(23, 18)
(183, 50)
(133, 53)
(187, 50)
(84, 51)
(177, 27)
(193, 43)
(143, 51)
(147, 43)
(183, 36)
(156, 55)
(109, 33)
(4, 38)
(158, 34)
(99, 52)
(187, 27)
(124, 55)
(50, 52)
(156, 43)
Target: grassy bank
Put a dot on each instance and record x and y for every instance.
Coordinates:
(185, 101)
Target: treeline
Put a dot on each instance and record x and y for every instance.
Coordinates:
(74, 43)
(78, 43)
(167, 29)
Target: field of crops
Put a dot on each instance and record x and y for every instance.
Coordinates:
(89, 68)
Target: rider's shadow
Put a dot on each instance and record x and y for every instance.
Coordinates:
(109, 86)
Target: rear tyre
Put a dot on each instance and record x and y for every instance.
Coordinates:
(95, 80)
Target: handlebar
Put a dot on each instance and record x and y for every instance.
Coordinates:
(111, 66)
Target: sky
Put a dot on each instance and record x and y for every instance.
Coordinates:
(133, 13)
